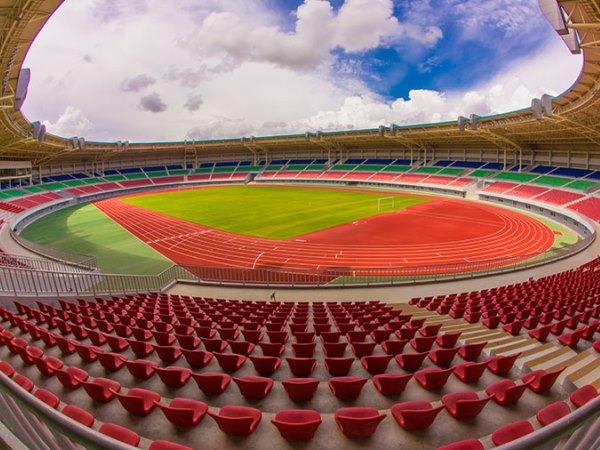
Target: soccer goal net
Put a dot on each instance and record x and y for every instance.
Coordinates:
(385, 204)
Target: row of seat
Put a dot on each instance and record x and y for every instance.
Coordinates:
(545, 416)
(302, 424)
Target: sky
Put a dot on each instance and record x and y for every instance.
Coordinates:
(156, 70)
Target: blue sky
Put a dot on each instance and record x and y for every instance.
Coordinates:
(150, 70)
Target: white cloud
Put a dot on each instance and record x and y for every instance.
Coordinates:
(358, 26)
(257, 76)
(72, 122)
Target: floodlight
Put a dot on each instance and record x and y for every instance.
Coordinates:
(22, 85)
(571, 41)
(474, 118)
(461, 123)
(536, 107)
(553, 13)
(547, 105)
(381, 130)
(81, 143)
(75, 142)
(39, 131)
(393, 128)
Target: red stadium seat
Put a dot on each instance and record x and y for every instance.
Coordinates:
(422, 344)
(464, 405)
(571, 339)
(470, 372)
(380, 335)
(434, 378)
(552, 412)
(541, 333)
(334, 349)
(237, 420)
(470, 352)
(506, 392)
(511, 432)
(300, 389)
(415, 415)
(47, 365)
(141, 368)
(375, 364)
(230, 362)
(167, 445)
(392, 347)
(338, 367)
(346, 388)
(197, 358)
(442, 356)
(448, 340)
(214, 345)
(174, 376)
(391, 384)
(540, 381)
(184, 412)
(141, 348)
(583, 395)
(467, 444)
(101, 389)
(252, 387)
(23, 381)
(304, 349)
(330, 336)
(272, 349)
(79, 414)
(120, 433)
(501, 365)
(361, 349)
(430, 330)
(212, 383)
(112, 361)
(297, 424)
(411, 361)
(116, 343)
(358, 421)
(47, 397)
(71, 377)
(265, 365)
(29, 354)
(187, 341)
(139, 402)
(302, 367)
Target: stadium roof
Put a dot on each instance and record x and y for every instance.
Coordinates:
(569, 124)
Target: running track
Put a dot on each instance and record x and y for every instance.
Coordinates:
(442, 231)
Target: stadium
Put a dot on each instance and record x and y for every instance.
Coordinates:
(415, 286)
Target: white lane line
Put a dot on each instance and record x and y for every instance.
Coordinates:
(256, 260)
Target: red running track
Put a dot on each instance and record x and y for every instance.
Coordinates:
(442, 231)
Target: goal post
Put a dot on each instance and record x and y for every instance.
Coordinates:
(386, 203)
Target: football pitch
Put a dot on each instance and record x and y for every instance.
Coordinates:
(275, 212)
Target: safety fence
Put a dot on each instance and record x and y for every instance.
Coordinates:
(28, 276)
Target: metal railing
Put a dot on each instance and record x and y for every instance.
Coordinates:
(37, 279)
(86, 262)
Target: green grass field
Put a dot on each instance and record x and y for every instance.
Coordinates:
(275, 212)
(85, 229)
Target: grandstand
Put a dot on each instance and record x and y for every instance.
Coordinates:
(97, 360)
